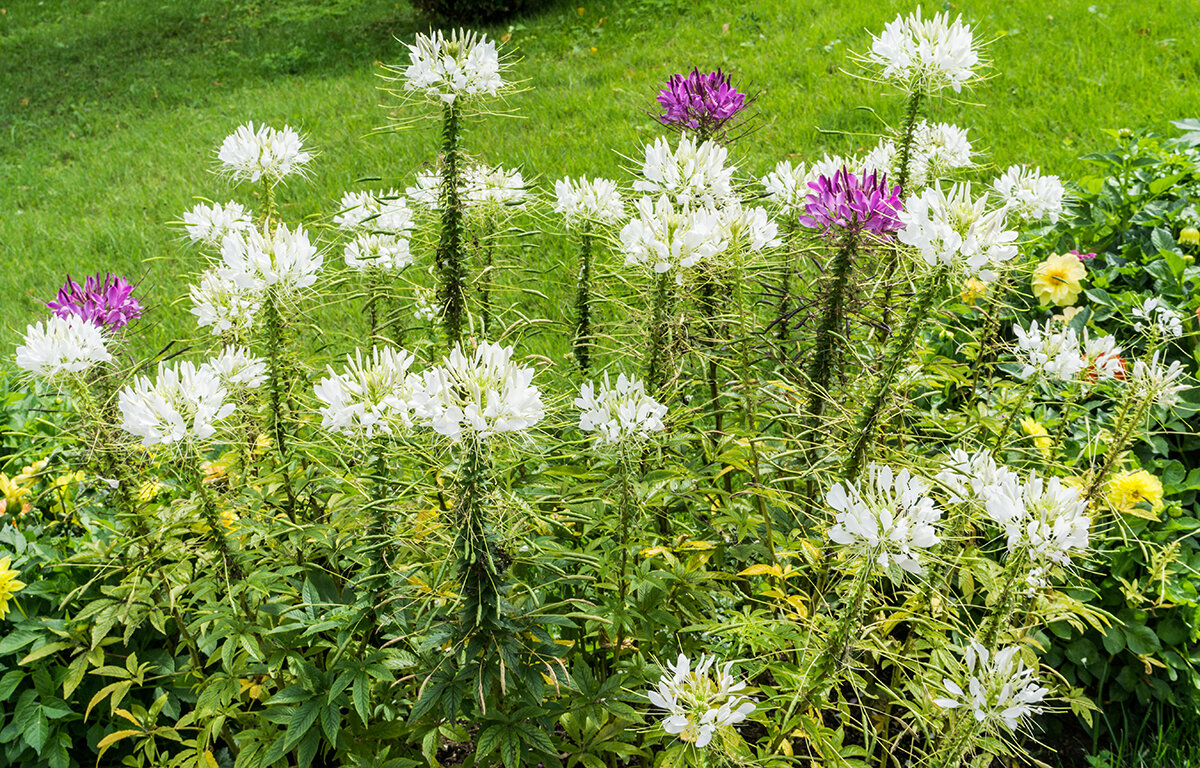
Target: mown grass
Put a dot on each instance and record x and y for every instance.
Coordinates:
(110, 111)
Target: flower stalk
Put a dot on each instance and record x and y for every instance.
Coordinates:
(825, 346)
(481, 561)
(451, 265)
(659, 349)
(584, 338)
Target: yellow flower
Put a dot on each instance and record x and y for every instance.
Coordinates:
(972, 291)
(1129, 489)
(9, 585)
(14, 493)
(1041, 438)
(1068, 314)
(1056, 280)
(148, 491)
(229, 518)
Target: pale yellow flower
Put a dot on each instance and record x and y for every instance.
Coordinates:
(148, 491)
(1056, 280)
(1041, 438)
(972, 291)
(1129, 489)
(9, 585)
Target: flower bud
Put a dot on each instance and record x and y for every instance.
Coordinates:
(1189, 236)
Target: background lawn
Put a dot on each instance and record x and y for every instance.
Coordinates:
(111, 112)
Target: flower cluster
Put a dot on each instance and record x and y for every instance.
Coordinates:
(490, 191)
(104, 300)
(969, 476)
(664, 238)
(1157, 381)
(1055, 354)
(1155, 317)
(956, 229)
(371, 396)
(937, 150)
(479, 395)
(388, 212)
(184, 403)
(619, 413)
(223, 305)
(1000, 689)
(62, 348)
(385, 252)
(1102, 358)
(1046, 520)
(251, 154)
(211, 224)
(448, 69)
(925, 55)
(887, 518)
(586, 202)
(703, 102)
(701, 700)
(846, 202)
(237, 369)
(1029, 196)
(282, 261)
(693, 174)
(747, 228)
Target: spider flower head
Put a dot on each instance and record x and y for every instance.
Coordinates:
(1055, 354)
(665, 238)
(479, 394)
(956, 229)
(888, 517)
(583, 202)
(263, 153)
(787, 186)
(847, 202)
(62, 349)
(221, 304)
(1155, 318)
(619, 413)
(104, 300)
(1044, 519)
(451, 69)
(693, 174)
(183, 404)
(372, 396)
(700, 701)
(703, 103)
(210, 224)
(282, 262)
(925, 54)
(384, 212)
(1030, 196)
(999, 688)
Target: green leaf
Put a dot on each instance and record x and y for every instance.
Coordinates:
(488, 741)
(1141, 639)
(37, 732)
(360, 692)
(1114, 640)
(9, 683)
(45, 650)
(302, 719)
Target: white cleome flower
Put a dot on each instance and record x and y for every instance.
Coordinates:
(1028, 195)
(387, 212)
(427, 190)
(787, 186)
(1102, 358)
(251, 154)
(1053, 354)
(209, 224)
(426, 307)
(237, 369)
(372, 396)
(282, 262)
(692, 175)
(481, 395)
(888, 517)
(999, 689)
(665, 238)
(1044, 519)
(386, 252)
(751, 229)
(449, 69)
(1155, 317)
(925, 54)
(937, 151)
(1157, 381)
(493, 191)
(619, 413)
(183, 404)
(586, 202)
(969, 476)
(62, 348)
(224, 306)
(956, 229)
(699, 702)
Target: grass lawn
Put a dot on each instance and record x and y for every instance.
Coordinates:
(111, 111)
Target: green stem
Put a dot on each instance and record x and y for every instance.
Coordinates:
(584, 341)
(450, 262)
(480, 559)
(1123, 435)
(1017, 408)
(627, 513)
(275, 373)
(906, 142)
(212, 519)
(825, 347)
(901, 348)
(658, 350)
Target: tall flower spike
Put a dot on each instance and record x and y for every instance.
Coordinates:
(694, 174)
(702, 102)
(1000, 689)
(846, 202)
(263, 153)
(210, 224)
(453, 69)
(283, 261)
(888, 517)
(183, 404)
(104, 300)
(925, 54)
(481, 394)
(1030, 196)
(664, 238)
(371, 396)
(62, 348)
(619, 413)
(586, 202)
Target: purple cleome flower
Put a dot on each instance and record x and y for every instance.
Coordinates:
(848, 202)
(105, 300)
(701, 102)
(1082, 256)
